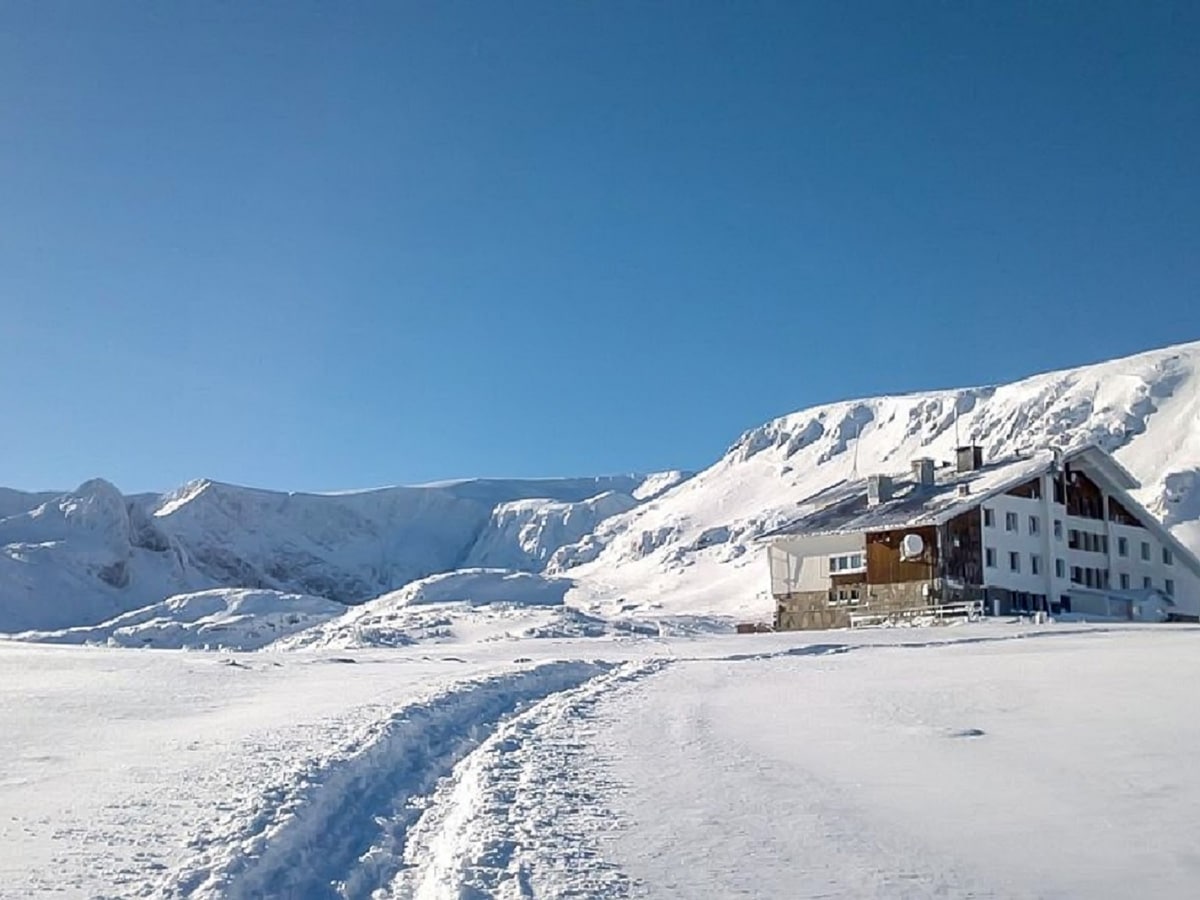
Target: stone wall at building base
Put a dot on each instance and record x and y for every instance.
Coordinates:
(812, 610)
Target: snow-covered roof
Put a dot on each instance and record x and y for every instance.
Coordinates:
(843, 508)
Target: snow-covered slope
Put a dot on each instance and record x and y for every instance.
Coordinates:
(225, 618)
(523, 534)
(83, 557)
(691, 548)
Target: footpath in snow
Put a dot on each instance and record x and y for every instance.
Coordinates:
(984, 761)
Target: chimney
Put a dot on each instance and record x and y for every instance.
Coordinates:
(970, 458)
(879, 489)
(923, 471)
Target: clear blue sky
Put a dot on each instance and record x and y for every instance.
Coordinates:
(320, 245)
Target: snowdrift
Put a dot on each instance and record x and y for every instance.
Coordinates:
(467, 605)
(223, 618)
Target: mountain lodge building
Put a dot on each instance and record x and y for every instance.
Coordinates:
(1046, 531)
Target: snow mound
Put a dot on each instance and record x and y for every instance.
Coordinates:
(467, 606)
(222, 618)
(476, 587)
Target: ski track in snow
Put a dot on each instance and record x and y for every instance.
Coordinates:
(337, 828)
(471, 793)
(514, 821)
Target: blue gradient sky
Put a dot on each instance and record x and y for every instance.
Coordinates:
(317, 246)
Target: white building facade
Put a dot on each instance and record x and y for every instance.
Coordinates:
(1049, 531)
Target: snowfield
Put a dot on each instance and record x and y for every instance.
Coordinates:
(989, 760)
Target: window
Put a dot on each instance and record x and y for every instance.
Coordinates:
(1035, 564)
(1168, 559)
(1089, 576)
(1010, 521)
(1147, 583)
(847, 562)
(1087, 540)
(1124, 581)
(1077, 574)
(1146, 550)
(846, 596)
(1014, 561)
(990, 557)
(1170, 585)
(1060, 568)
(989, 518)
(1035, 525)
(1058, 529)
(1122, 546)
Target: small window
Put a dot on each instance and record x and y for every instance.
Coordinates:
(1168, 559)
(1146, 550)
(1170, 585)
(1058, 529)
(990, 557)
(847, 596)
(1035, 525)
(1147, 583)
(1124, 581)
(1010, 521)
(1089, 576)
(1122, 546)
(989, 518)
(1077, 574)
(1060, 568)
(1073, 538)
(1014, 561)
(846, 562)
(1035, 564)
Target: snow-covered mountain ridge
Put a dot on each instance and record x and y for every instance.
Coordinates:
(640, 545)
(89, 555)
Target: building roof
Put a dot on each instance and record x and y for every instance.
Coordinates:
(843, 508)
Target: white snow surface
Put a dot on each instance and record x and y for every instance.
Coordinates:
(945, 762)
(221, 618)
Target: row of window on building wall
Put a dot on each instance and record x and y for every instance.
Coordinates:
(847, 562)
(1082, 575)
(1077, 539)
